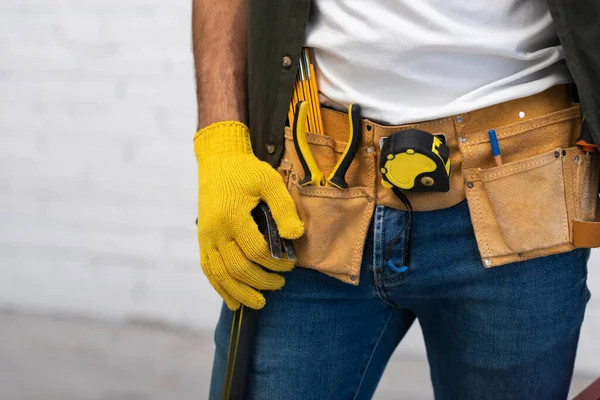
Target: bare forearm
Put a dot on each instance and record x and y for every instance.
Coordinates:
(219, 31)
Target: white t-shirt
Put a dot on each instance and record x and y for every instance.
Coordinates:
(416, 60)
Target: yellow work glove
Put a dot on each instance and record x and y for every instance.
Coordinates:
(231, 183)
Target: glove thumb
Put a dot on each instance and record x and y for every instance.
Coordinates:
(283, 209)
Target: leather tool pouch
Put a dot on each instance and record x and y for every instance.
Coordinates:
(526, 208)
(336, 220)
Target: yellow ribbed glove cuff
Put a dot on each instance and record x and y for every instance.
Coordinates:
(231, 183)
(232, 135)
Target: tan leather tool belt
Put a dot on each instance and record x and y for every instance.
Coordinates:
(542, 201)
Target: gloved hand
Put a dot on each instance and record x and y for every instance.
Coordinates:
(231, 183)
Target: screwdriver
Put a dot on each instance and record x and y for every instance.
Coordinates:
(306, 90)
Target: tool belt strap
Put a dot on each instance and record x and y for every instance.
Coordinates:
(587, 234)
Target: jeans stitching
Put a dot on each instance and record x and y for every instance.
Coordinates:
(378, 246)
(385, 298)
(397, 277)
(362, 378)
(377, 235)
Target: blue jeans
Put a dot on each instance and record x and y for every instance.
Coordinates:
(508, 332)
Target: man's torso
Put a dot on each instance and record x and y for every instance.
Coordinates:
(406, 61)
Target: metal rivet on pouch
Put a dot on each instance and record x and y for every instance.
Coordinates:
(369, 149)
(557, 154)
(488, 263)
(463, 139)
(470, 185)
(521, 114)
(270, 148)
(459, 119)
(353, 278)
(287, 62)
(369, 127)
(576, 158)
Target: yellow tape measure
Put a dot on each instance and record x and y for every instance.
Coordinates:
(415, 160)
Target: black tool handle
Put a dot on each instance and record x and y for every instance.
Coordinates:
(338, 178)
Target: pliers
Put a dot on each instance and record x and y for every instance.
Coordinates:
(312, 174)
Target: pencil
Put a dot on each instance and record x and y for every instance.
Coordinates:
(317, 103)
(495, 147)
(291, 115)
(314, 93)
(306, 89)
(314, 90)
(298, 95)
(293, 105)
(306, 95)
(299, 92)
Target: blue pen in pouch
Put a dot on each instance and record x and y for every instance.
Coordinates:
(495, 147)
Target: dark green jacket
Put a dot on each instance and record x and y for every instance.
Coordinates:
(276, 37)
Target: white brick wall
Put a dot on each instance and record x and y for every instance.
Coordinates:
(97, 173)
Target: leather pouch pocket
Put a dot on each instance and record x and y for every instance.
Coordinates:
(525, 209)
(336, 224)
(528, 201)
(582, 177)
(336, 221)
